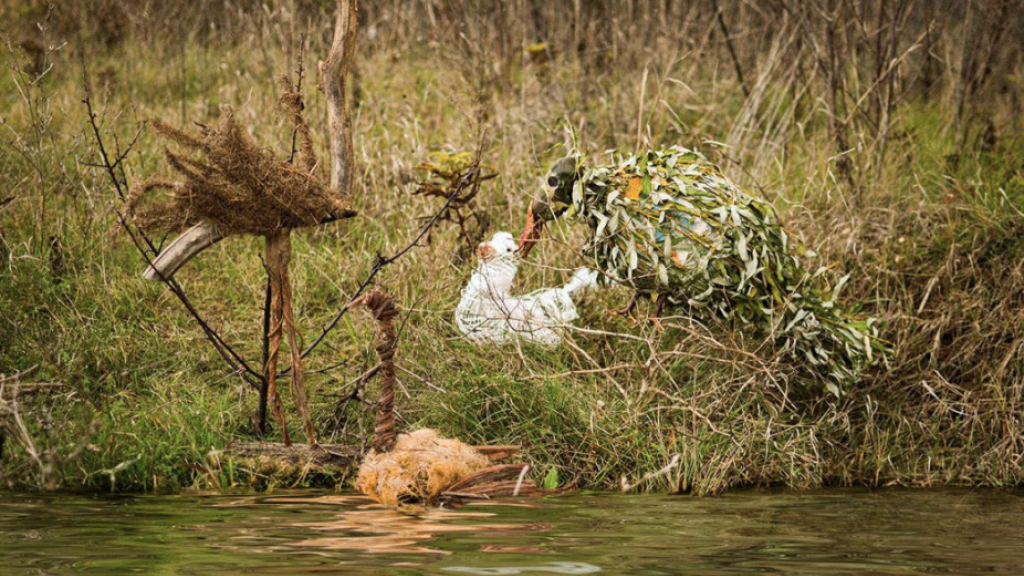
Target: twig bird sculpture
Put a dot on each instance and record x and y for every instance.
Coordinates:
(489, 313)
(230, 185)
(668, 224)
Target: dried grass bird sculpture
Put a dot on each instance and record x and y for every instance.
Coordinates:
(668, 224)
(489, 313)
(421, 465)
(230, 185)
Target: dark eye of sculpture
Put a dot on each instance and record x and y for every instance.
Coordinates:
(553, 181)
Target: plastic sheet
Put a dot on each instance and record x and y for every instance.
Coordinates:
(489, 313)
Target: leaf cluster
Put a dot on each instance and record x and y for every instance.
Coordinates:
(444, 172)
(668, 222)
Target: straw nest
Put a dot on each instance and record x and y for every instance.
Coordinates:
(418, 469)
(233, 183)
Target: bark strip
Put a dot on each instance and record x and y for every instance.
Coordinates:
(277, 258)
(385, 343)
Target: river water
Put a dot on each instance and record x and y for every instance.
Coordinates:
(747, 532)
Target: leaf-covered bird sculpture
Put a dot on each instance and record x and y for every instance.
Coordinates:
(668, 223)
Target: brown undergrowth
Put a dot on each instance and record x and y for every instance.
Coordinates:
(241, 188)
(887, 134)
(417, 469)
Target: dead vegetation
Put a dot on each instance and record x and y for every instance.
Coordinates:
(887, 132)
(27, 425)
(444, 176)
(419, 467)
(238, 186)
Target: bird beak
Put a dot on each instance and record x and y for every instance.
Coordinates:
(531, 233)
(182, 249)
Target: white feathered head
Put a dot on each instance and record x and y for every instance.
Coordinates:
(502, 245)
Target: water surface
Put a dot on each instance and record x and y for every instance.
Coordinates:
(751, 532)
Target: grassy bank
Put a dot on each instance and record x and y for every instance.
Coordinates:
(911, 181)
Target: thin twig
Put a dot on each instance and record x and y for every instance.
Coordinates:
(298, 90)
(468, 179)
(732, 50)
(139, 237)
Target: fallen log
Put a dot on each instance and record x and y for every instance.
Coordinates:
(340, 455)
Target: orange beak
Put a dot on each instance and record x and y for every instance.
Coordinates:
(530, 234)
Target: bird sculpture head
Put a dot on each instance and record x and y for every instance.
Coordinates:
(498, 265)
(501, 245)
(555, 200)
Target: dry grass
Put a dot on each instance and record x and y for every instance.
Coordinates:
(890, 142)
(417, 469)
(241, 188)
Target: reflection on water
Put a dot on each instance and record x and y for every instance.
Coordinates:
(769, 532)
(372, 528)
(549, 568)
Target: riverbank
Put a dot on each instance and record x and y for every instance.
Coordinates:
(921, 207)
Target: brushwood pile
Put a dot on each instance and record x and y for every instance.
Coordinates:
(669, 222)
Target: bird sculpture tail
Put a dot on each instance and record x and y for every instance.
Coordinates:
(582, 279)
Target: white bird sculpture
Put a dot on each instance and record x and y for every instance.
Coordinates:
(488, 313)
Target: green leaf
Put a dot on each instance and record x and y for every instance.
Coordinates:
(551, 479)
(742, 263)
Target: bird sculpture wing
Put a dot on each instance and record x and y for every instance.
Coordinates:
(488, 312)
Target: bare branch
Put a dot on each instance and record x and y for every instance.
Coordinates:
(138, 238)
(468, 181)
(334, 71)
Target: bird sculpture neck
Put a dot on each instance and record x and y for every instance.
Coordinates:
(495, 276)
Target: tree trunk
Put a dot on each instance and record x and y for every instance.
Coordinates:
(334, 71)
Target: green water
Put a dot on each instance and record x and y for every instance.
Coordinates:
(757, 532)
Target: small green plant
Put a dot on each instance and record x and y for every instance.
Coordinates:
(456, 178)
(551, 479)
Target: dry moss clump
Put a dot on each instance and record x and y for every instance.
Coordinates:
(418, 469)
(238, 186)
